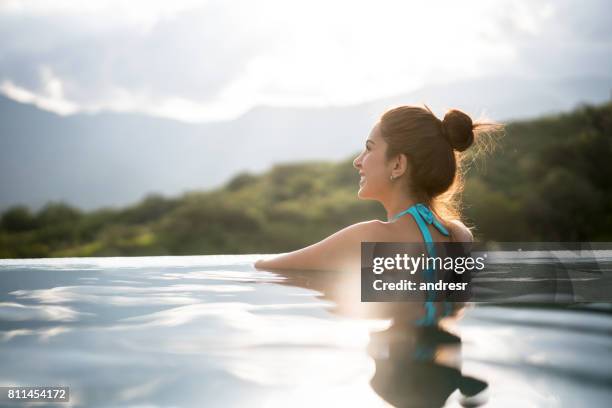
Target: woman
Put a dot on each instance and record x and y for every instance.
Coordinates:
(411, 164)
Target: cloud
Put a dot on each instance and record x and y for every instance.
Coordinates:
(195, 61)
(559, 39)
(179, 62)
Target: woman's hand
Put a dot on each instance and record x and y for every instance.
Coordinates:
(260, 264)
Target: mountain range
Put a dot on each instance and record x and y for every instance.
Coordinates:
(112, 159)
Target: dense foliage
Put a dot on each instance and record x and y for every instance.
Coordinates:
(549, 179)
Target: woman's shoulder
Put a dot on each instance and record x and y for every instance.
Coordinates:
(459, 232)
(366, 229)
(381, 231)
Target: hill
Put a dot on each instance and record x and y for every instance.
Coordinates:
(81, 158)
(549, 179)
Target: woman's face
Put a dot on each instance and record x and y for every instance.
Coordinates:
(373, 167)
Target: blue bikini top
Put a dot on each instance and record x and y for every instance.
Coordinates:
(424, 217)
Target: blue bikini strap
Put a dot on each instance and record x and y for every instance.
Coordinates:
(423, 216)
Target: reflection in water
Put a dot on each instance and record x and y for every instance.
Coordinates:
(421, 367)
(211, 331)
(416, 366)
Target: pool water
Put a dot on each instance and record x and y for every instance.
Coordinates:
(211, 331)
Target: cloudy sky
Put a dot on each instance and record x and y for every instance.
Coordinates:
(211, 60)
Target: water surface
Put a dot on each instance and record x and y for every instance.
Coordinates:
(212, 331)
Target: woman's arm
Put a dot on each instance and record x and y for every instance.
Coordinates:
(336, 252)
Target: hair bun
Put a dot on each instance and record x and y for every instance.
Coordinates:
(458, 128)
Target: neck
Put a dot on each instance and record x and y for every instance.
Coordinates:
(398, 201)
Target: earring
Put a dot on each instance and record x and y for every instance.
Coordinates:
(391, 178)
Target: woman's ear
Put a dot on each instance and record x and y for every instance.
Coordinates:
(400, 165)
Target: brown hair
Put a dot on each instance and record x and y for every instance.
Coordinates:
(434, 150)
